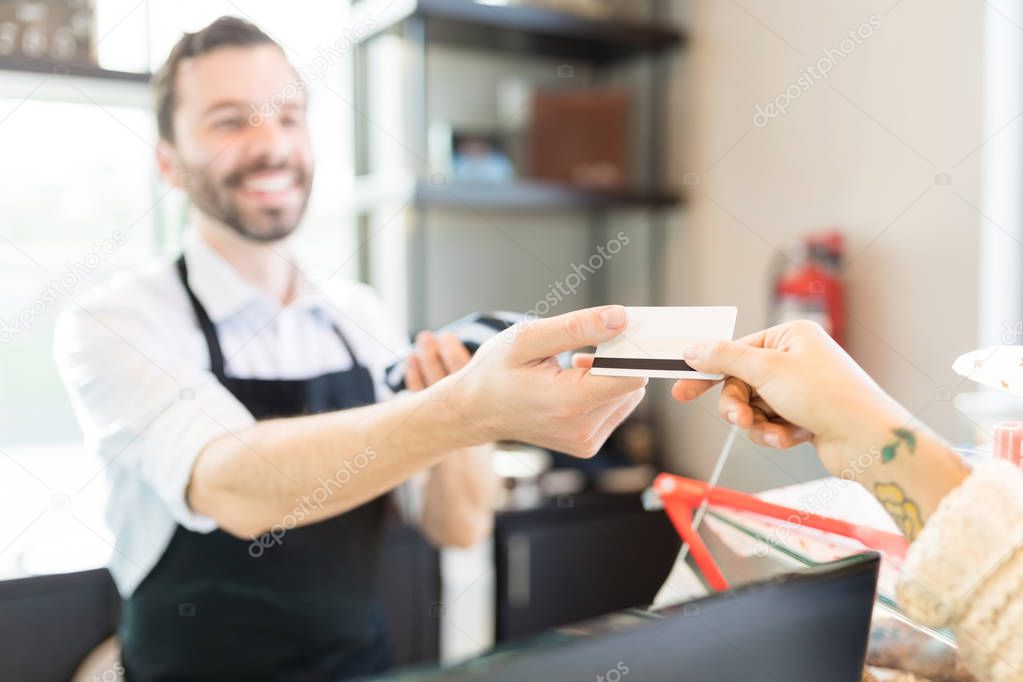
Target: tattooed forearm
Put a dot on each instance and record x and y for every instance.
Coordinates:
(904, 510)
(901, 437)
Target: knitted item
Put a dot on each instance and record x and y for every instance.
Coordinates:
(965, 570)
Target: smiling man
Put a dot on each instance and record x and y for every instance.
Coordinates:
(261, 197)
(250, 440)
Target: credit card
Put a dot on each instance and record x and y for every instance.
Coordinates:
(652, 343)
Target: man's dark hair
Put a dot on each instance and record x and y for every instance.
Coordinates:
(224, 32)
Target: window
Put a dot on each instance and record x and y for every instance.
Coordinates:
(82, 199)
(80, 208)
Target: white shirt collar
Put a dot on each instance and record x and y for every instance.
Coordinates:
(223, 292)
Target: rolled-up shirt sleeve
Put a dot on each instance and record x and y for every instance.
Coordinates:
(144, 406)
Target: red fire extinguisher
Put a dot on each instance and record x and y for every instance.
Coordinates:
(807, 286)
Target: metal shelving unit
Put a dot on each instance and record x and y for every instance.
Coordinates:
(525, 31)
(521, 28)
(533, 195)
(58, 69)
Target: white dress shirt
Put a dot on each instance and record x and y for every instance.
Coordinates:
(137, 369)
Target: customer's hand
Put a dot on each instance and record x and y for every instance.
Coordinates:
(514, 388)
(434, 358)
(789, 384)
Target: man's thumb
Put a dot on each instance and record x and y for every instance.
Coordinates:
(731, 358)
(571, 331)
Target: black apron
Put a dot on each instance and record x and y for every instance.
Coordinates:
(304, 609)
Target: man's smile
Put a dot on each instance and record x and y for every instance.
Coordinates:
(271, 188)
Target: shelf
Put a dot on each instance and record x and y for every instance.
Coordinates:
(536, 196)
(519, 28)
(59, 70)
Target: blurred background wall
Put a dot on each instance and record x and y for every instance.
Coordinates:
(863, 150)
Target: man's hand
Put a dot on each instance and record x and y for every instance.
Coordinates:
(514, 388)
(789, 384)
(434, 358)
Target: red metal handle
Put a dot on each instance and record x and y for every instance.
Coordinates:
(681, 517)
(690, 493)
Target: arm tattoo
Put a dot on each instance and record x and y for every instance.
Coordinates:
(904, 510)
(902, 437)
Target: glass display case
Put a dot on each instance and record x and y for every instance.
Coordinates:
(750, 548)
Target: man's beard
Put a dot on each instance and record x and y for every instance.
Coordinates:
(216, 198)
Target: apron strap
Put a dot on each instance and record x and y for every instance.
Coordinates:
(205, 323)
(210, 333)
(344, 342)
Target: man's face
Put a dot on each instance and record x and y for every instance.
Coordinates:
(241, 142)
